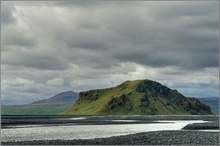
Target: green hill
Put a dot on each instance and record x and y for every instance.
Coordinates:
(139, 97)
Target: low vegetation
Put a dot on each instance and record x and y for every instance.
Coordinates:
(35, 109)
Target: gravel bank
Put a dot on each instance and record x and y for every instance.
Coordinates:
(202, 126)
(149, 138)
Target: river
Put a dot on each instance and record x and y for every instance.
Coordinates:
(78, 130)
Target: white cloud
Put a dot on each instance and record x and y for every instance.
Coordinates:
(55, 82)
(21, 81)
(16, 82)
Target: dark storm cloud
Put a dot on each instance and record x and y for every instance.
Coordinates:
(180, 9)
(176, 40)
(76, 3)
(17, 39)
(149, 57)
(140, 33)
(183, 59)
(40, 61)
(145, 36)
(87, 45)
(90, 4)
(83, 45)
(47, 64)
(6, 14)
(95, 41)
(204, 60)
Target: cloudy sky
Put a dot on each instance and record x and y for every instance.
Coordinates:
(51, 47)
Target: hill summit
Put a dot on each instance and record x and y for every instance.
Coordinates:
(68, 97)
(139, 97)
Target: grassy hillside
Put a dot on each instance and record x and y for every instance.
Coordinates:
(35, 109)
(140, 97)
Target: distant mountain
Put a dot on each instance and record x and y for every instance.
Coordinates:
(67, 96)
(213, 102)
(139, 97)
(51, 106)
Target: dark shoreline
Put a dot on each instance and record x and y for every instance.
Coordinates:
(8, 121)
(181, 137)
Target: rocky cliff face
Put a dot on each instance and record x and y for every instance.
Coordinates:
(137, 97)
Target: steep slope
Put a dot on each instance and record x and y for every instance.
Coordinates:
(67, 96)
(139, 97)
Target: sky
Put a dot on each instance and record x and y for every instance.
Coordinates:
(48, 47)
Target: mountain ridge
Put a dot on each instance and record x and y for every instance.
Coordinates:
(51, 106)
(66, 96)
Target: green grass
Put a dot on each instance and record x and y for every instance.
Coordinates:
(88, 106)
(35, 109)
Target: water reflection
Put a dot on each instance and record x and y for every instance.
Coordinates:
(88, 131)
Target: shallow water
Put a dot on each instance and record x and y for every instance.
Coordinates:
(69, 132)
